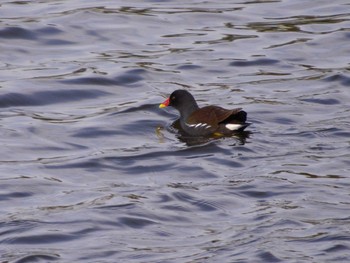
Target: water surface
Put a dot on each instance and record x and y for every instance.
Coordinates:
(92, 170)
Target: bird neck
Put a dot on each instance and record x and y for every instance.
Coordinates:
(187, 110)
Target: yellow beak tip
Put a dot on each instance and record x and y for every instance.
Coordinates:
(162, 106)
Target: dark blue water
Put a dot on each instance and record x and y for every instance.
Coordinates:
(91, 170)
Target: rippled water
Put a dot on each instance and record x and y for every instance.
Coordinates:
(93, 171)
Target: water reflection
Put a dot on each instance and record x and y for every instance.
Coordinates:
(182, 136)
(240, 137)
(87, 155)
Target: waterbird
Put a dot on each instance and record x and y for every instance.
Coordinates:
(206, 121)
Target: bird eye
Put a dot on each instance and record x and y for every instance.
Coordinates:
(173, 98)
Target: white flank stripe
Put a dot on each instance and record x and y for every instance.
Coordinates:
(190, 125)
(233, 127)
(199, 125)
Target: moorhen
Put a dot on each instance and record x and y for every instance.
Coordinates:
(206, 121)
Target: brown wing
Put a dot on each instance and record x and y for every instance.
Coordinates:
(211, 115)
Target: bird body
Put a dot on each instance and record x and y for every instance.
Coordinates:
(206, 121)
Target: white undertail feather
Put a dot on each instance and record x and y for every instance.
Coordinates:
(233, 127)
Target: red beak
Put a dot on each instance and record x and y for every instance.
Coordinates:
(165, 103)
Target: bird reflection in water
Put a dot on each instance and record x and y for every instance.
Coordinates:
(189, 140)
